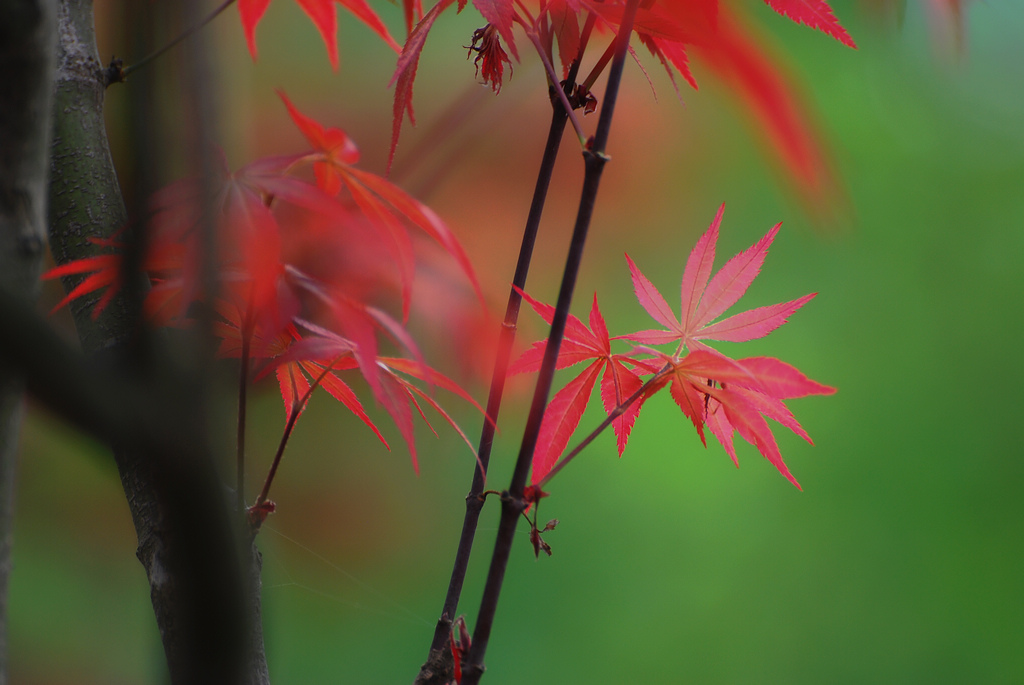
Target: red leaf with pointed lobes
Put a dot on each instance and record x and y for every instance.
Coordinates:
(490, 57)
(782, 380)
(251, 12)
(652, 301)
(754, 323)
(711, 389)
(563, 413)
(379, 200)
(704, 297)
(336, 146)
(578, 345)
(671, 54)
(422, 217)
(561, 418)
(740, 395)
(105, 272)
(405, 73)
(294, 387)
(699, 266)
(324, 17)
(617, 385)
(499, 14)
(681, 21)
(732, 280)
(394, 397)
(814, 13)
(400, 396)
(770, 97)
(366, 15)
(565, 28)
(690, 400)
(748, 422)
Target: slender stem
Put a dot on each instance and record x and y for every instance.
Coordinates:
(559, 92)
(599, 66)
(152, 56)
(512, 504)
(615, 413)
(504, 353)
(297, 406)
(243, 386)
(474, 503)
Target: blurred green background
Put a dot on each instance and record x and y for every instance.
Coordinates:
(902, 561)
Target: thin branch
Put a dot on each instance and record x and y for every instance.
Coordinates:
(512, 504)
(243, 386)
(439, 653)
(297, 407)
(125, 71)
(598, 67)
(559, 92)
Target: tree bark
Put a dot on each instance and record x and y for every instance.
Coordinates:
(26, 61)
(203, 571)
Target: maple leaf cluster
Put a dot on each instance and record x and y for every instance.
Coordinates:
(670, 30)
(300, 268)
(724, 395)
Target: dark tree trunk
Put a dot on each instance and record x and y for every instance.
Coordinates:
(26, 88)
(202, 567)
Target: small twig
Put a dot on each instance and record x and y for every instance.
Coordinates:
(602, 62)
(123, 72)
(615, 413)
(297, 406)
(243, 383)
(559, 92)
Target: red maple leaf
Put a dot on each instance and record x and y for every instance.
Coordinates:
(290, 258)
(405, 71)
(710, 389)
(704, 298)
(378, 199)
(814, 13)
(566, 408)
(490, 56)
(673, 29)
(324, 18)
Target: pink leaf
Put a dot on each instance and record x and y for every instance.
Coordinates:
(732, 280)
(753, 323)
(396, 400)
(499, 14)
(698, 270)
(340, 391)
(370, 18)
(617, 385)
(814, 13)
(650, 299)
(422, 217)
(561, 417)
(752, 427)
(405, 73)
(783, 381)
(720, 427)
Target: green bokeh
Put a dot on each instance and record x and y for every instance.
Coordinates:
(900, 562)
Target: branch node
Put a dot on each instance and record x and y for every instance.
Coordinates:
(114, 73)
